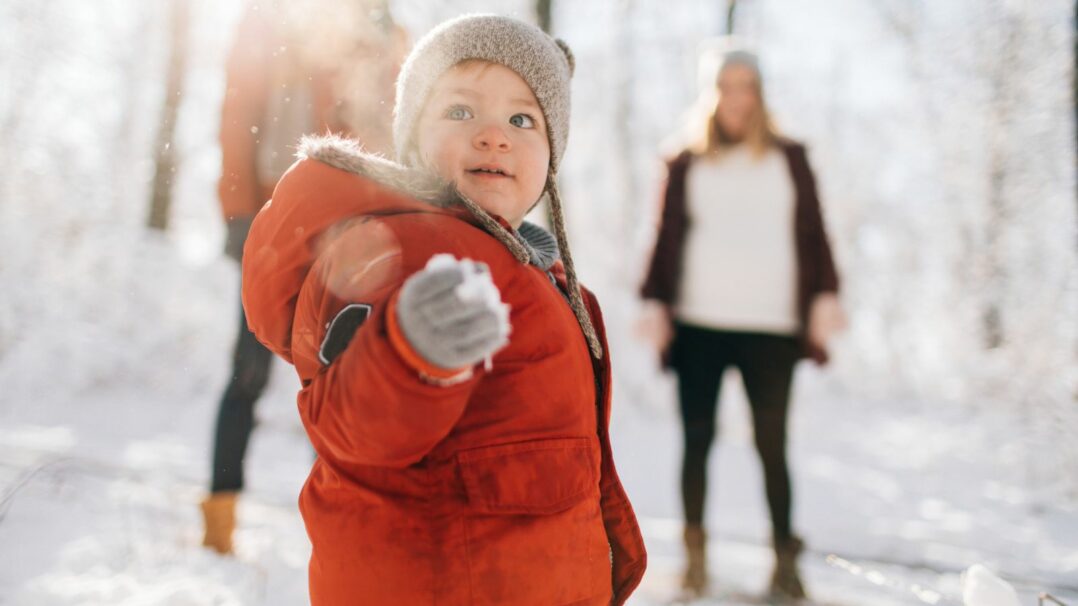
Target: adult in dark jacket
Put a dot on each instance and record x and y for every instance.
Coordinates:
(742, 275)
(283, 82)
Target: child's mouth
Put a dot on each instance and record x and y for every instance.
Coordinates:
(489, 172)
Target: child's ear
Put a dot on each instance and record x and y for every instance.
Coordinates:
(568, 54)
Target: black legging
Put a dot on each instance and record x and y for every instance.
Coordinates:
(235, 417)
(766, 363)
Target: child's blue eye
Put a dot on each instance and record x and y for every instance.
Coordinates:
(522, 121)
(458, 112)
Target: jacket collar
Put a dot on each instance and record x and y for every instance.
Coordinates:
(349, 156)
(541, 244)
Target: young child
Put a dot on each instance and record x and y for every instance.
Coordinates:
(456, 384)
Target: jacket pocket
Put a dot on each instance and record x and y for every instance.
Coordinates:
(538, 477)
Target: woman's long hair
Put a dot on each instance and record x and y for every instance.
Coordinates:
(761, 133)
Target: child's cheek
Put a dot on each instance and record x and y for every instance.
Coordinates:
(439, 155)
(445, 162)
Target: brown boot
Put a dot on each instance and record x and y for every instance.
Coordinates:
(695, 581)
(219, 514)
(786, 581)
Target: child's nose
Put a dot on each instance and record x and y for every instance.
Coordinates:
(491, 136)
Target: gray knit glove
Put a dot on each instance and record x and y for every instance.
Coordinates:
(452, 313)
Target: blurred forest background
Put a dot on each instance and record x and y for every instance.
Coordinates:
(943, 135)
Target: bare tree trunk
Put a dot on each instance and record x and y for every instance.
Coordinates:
(624, 135)
(731, 12)
(129, 145)
(543, 13)
(993, 312)
(165, 161)
(1005, 72)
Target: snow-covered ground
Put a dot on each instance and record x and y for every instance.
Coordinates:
(892, 498)
(101, 491)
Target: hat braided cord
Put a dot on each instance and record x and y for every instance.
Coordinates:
(576, 300)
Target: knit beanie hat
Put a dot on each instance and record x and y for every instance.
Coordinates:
(545, 64)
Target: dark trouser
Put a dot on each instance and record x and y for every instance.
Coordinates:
(235, 417)
(766, 364)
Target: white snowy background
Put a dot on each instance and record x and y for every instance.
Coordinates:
(943, 435)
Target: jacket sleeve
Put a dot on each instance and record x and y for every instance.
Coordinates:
(627, 551)
(371, 405)
(372, 408)
(661, 281)
(827, 277)
(242, 110)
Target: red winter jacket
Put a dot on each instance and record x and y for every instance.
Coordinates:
(497, 490)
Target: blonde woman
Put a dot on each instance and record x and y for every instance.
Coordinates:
(742, 276)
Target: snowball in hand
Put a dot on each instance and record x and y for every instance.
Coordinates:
(452, 313)
(476, 287)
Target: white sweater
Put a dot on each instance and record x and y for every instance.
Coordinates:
(740, 260)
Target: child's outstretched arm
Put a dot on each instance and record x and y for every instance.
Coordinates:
(403, 381)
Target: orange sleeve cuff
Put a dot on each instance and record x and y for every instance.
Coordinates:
(410, 356)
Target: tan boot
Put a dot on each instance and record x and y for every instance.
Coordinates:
(219, 514)
(785, 580)
(695, 581)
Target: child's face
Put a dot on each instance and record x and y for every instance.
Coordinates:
(483, 129)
